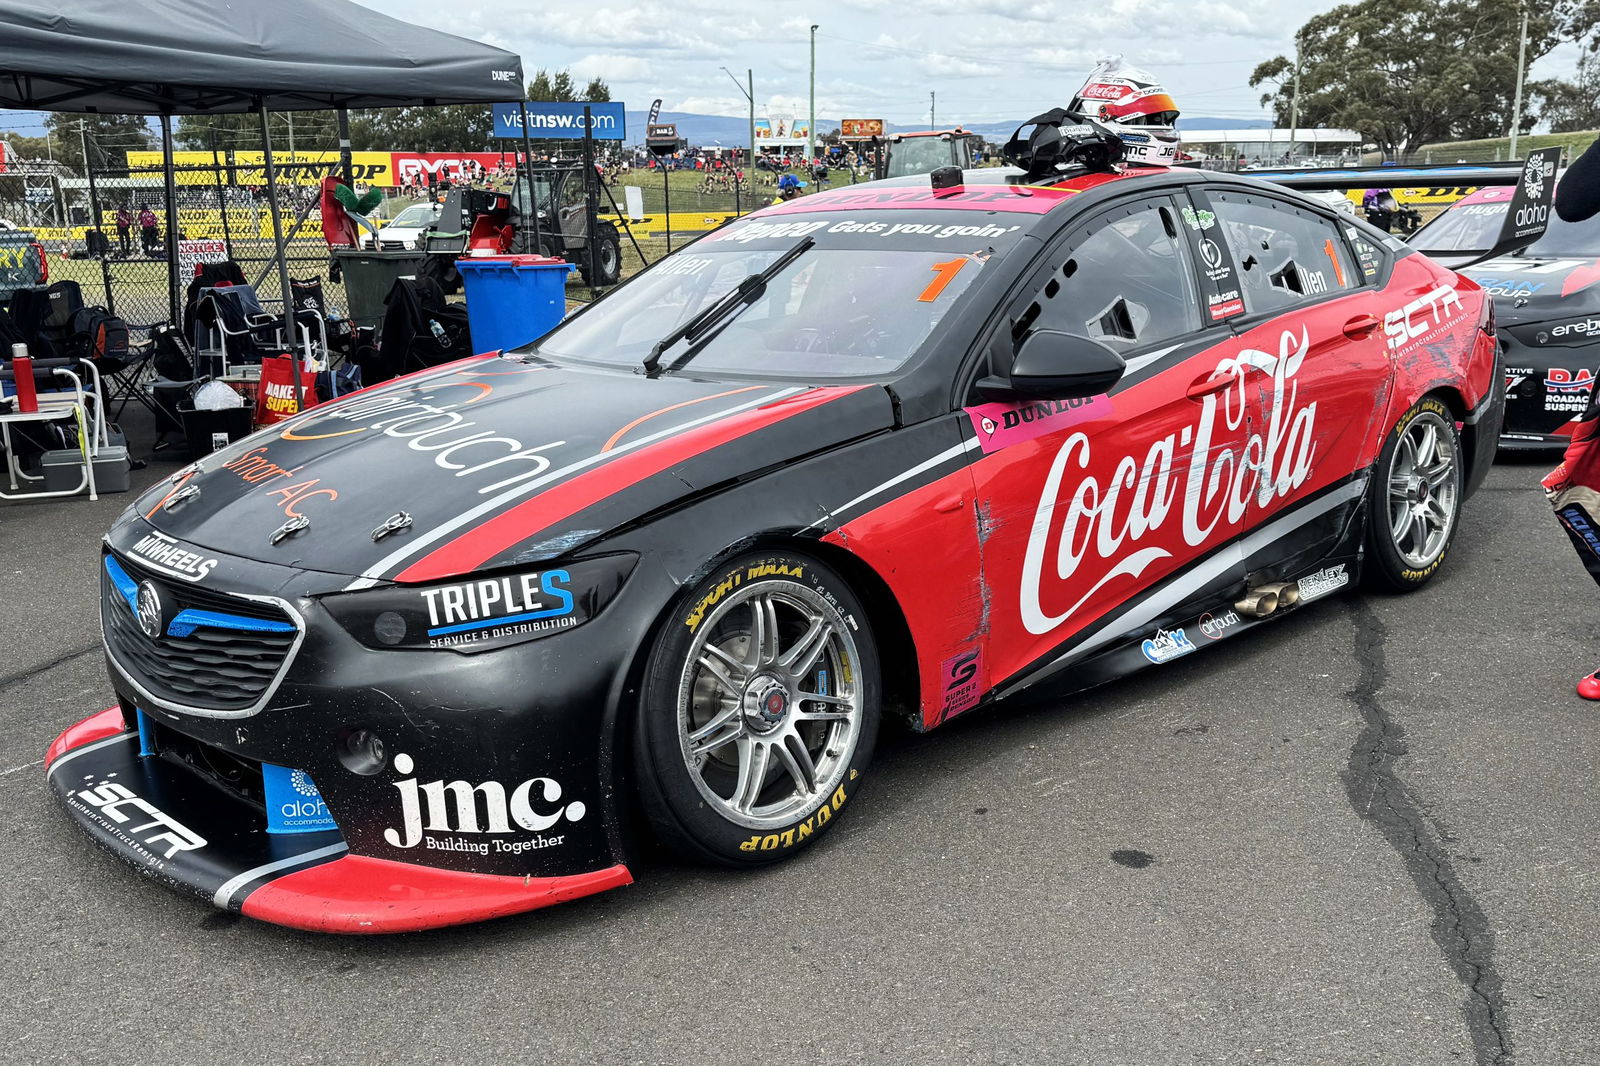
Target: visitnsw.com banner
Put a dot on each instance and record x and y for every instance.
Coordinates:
(561, 121)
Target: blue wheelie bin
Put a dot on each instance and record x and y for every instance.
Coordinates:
(513, 299)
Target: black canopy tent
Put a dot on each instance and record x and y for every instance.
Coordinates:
(196, 57)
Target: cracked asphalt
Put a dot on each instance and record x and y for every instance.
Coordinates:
(1368, 834)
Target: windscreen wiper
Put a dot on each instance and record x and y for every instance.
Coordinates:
(741, 295)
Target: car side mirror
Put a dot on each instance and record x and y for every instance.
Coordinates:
(1053, 365)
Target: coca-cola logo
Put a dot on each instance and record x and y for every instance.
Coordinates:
(1125, 515)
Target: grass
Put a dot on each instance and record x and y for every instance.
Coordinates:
(1497, 148)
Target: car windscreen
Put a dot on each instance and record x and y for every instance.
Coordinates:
(1474, 226)
(919, 155)
(858, 303)
(415, 215)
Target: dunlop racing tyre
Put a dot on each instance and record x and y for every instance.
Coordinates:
(760, 711)
(1414, 498)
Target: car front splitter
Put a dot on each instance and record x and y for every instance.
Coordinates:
(178, 827)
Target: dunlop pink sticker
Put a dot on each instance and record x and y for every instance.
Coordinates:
(1000, 425)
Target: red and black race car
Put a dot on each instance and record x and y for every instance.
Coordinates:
(450, 647)
(1547, 304)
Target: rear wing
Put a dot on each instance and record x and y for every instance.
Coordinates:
(1527, 216)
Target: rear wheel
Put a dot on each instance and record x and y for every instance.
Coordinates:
(607, 257)
(1414, 499)
(760, 711)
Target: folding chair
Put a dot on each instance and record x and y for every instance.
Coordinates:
(164, 363)
(43, 315)
(56, 403)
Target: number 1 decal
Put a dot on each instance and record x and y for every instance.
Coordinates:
(944, 274)
(1333, 257)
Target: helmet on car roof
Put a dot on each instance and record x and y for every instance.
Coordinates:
(1135, 107)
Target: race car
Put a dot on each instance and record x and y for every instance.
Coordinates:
(1547, 306)
(459, 645)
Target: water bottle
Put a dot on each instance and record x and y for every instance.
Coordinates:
(22, 369)
(438, 333)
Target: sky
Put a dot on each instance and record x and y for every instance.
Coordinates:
(987, 60)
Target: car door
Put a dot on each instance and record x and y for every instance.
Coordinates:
(1308, 323)
(1085, 505)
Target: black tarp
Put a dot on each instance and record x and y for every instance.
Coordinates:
(148, 57)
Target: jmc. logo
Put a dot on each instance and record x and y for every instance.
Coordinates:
(462, 807)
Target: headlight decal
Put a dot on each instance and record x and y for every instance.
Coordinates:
(474, 605)
(484, 612)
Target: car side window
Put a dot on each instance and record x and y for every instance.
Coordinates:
(1286, 255)
(1125, 280)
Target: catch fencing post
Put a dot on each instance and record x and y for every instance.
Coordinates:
(591, 203)
(94, 224)
(666, 201)
(173, 307)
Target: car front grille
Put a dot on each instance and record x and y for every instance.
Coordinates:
(217, 652)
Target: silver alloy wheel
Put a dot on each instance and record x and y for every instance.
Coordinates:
(1424, 490)
(770, 704)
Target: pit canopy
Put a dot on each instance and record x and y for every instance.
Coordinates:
(176, 57)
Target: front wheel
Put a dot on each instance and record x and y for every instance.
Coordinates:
(759, 712)
(1414, 500)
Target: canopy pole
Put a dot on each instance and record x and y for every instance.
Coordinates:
(539, 245)
(283, 253)
(174, 308)
(346, 171)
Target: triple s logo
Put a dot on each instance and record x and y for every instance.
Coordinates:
(465, 810)
(1117, 508)
(499, 607)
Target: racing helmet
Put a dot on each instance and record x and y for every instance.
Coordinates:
(1135, 107)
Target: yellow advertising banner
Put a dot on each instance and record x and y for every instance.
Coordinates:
(249, 168)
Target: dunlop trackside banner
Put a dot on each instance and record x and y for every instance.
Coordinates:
(383, 169)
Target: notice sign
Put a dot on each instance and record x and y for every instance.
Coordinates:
(860, 129)
(192, 253)
(549, 120)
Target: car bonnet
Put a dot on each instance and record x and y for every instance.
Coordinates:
(489, 460)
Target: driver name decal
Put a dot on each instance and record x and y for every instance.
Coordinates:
(1120, 519)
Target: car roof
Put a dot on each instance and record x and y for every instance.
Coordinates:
(990, 188)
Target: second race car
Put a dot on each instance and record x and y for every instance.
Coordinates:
(1547, 306)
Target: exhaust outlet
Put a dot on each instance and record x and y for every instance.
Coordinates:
(1288, 593)
(1258, 602)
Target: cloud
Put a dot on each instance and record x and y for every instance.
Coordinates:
(611, 68)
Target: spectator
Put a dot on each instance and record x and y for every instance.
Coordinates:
(124, 224)
(149, 236)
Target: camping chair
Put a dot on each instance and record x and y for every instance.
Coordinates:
(407, 341)
(317, 331)
(206, 276)
(231, 326)
(43, 315)
(160, 376)
(59, 385)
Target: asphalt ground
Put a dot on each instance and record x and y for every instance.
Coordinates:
(1365, 835)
